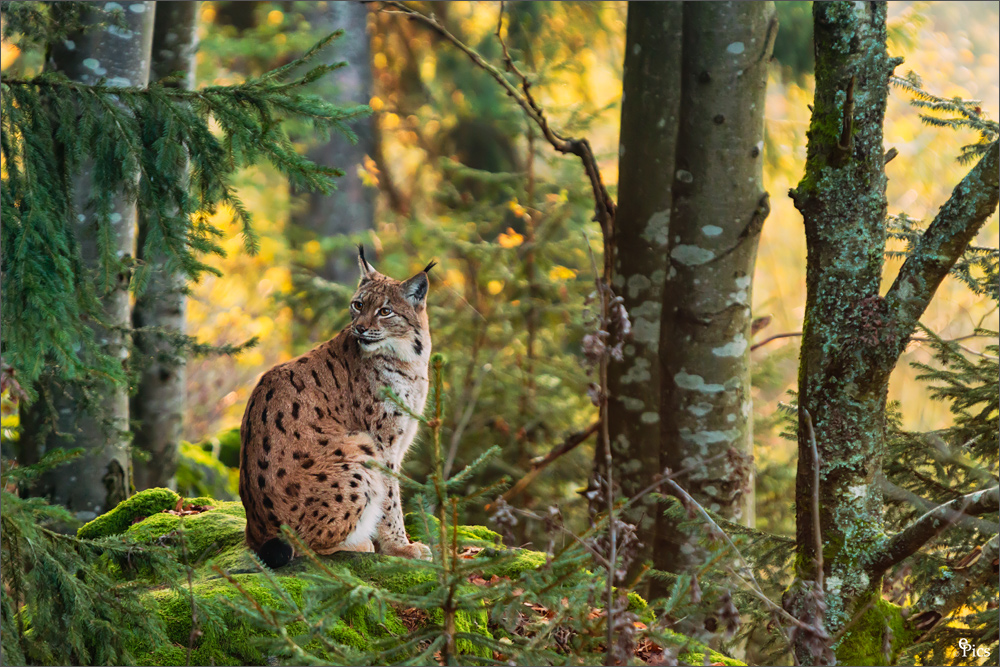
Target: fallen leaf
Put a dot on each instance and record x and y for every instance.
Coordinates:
(469, 552)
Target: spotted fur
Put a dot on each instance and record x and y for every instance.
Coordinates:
(311, 424)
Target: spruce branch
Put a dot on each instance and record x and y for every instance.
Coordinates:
(927, 527)
(971, 203)
(54, 127)
(953, 586)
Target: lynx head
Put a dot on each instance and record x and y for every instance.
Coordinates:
(390, 316)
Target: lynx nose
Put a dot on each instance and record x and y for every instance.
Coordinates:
(358, 329)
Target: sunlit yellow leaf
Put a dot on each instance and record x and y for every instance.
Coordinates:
(428, 67)
(494, 287)
(560, 273)
(516, 208)
(8, 54)
(275, 17)
(454, 278)
(510, 239)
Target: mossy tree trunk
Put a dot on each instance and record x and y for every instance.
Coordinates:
(852, 336)
(351, 208)
(650, 105)
(96, 420)
(718, 209)
(157, 409)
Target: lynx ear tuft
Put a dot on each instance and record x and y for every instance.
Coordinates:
(415, 289)
(430, 266)
(367, 270)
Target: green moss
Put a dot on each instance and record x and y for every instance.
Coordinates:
(467, 535)
(118, 520)
(230, 641)
(513, 564)
(694, 652)
(205, 535)
(201, 500)
(862, 645)
(199, 473)
(228, 637)
(224, 446)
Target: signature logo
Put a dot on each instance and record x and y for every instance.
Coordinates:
(971, 650)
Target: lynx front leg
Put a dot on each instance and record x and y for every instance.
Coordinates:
(392, 537)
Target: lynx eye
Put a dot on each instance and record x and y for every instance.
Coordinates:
(356, 305)
(385, 311)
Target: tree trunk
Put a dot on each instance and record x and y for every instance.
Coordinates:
(650, 103)
(351, 208)
(157, 409)
(842, 397)
(99, 479)
(719, 206)
(852, 337)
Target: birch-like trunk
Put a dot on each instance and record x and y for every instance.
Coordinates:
(157, 409)
(719, 206)
(650, 105)
(350, 209)
(100, 478)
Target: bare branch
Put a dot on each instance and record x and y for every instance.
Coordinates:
(972, 201)
(899, 494)
(604, 206)
(750, 581)
(909, 540)
(913, 339)
(538, 464)
(817, 527)
(793, 334)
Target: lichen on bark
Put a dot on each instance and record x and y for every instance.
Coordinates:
(842, 200)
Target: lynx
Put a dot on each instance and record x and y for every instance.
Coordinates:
(311, 424)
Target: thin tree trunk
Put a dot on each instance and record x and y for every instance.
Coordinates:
(351, 208)
(99, 479)
(719, 207)
(650, 106)
(157, 409)
(843, 205)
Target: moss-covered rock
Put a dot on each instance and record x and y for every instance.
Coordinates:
(118, 520)
(226, 636)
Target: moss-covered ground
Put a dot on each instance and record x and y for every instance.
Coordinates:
(226, 636)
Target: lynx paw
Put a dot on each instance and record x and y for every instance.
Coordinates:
(415, 550)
